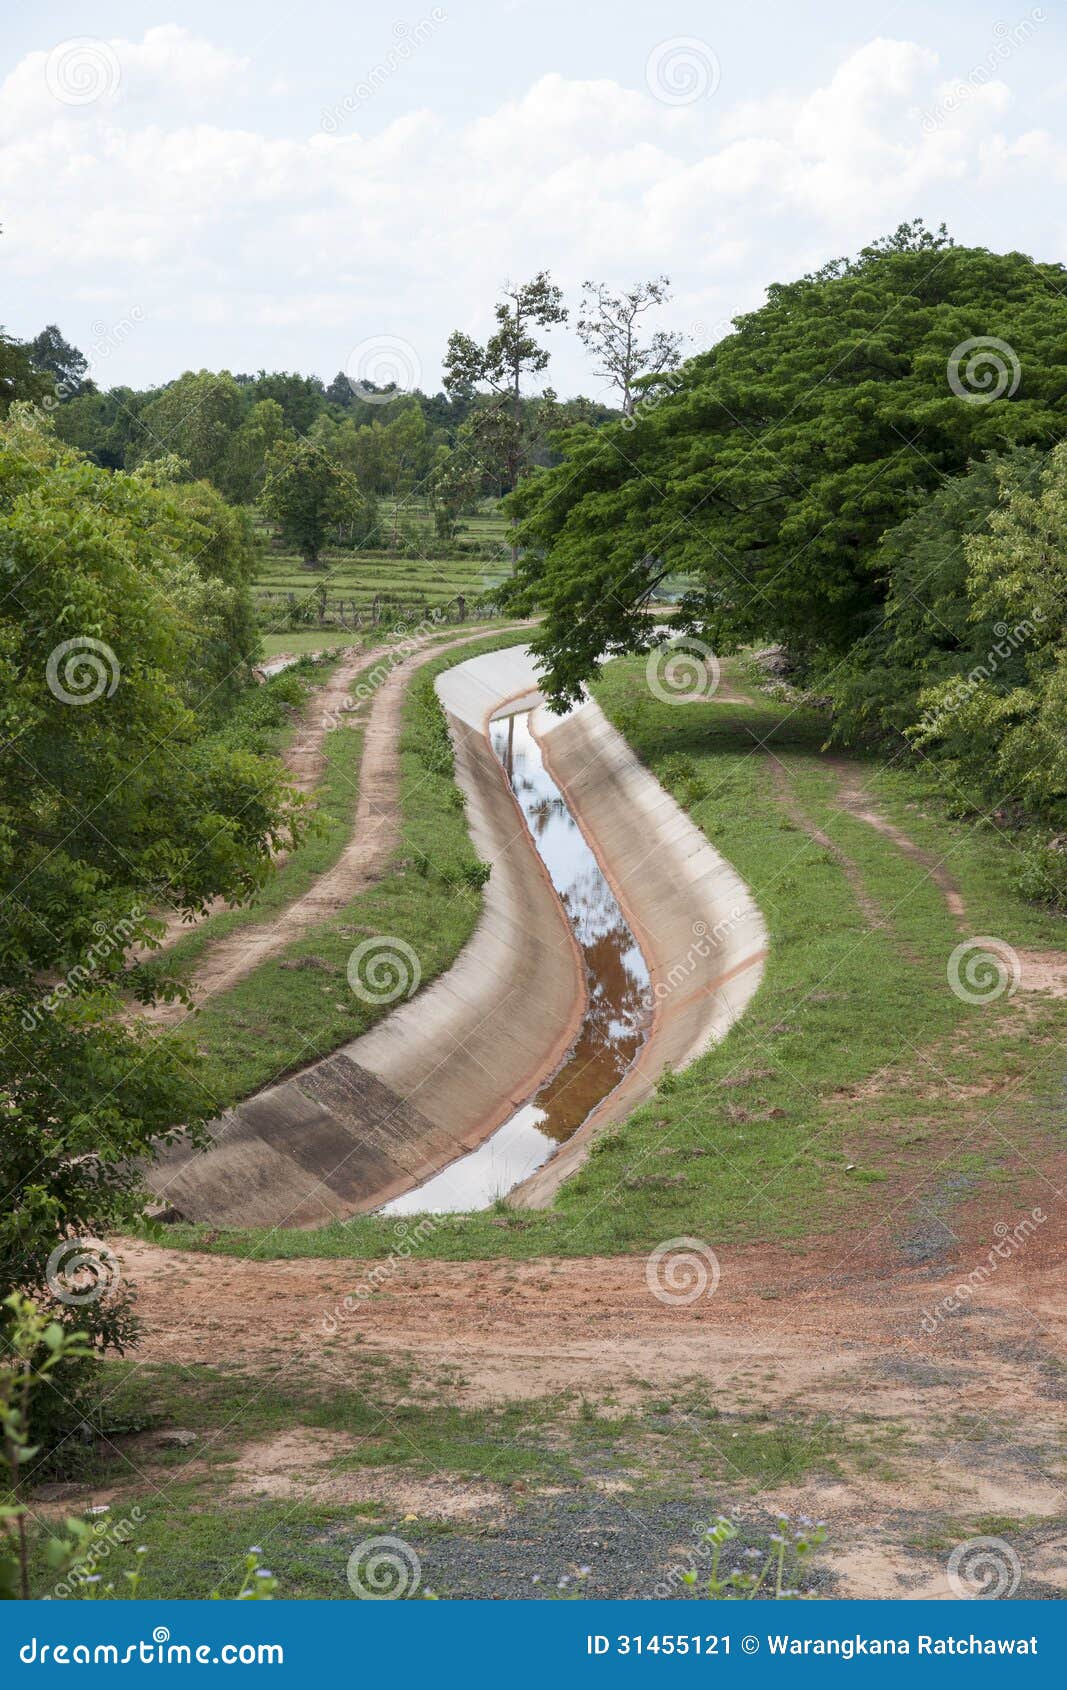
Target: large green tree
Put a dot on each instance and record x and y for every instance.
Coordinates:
(195, 417)
(404, 459)
(18, 378)
(103, 425)
(308, 493)
(769, 467)
(931, 630)
(302, 398)
(196, 522)
(1001, 721)
(244, 468)
(114, 803)
(61, 363)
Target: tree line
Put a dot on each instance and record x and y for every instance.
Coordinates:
(868, 470)
(342, 461)
(133, 779)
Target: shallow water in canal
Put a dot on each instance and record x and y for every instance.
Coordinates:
(617, 1015)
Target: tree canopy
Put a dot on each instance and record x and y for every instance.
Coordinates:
(769, 467)
(307, 493)
(120, 607)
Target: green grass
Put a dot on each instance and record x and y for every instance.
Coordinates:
(335, 803)
(769, 1136)
(390, 1418)
(433, 579)
(281, 1016)
(336, 797)
(198, 1516)
(300, 641)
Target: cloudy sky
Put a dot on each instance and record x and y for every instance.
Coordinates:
(336, 184)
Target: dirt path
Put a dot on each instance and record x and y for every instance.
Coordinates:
(1037, 971)
(854, 798)
(851, 1335)
(375, 831)
(934, 1420)
(305, 761)
(817, 1320)
(800, 819)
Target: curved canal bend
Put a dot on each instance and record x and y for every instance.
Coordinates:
(618, 1008)
(374, 1122)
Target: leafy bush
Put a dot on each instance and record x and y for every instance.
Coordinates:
(38, 1348)
(106, 812)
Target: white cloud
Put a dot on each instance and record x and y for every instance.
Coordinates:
(85, 75)
(153, 193)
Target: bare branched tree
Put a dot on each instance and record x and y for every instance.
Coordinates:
(609, 327)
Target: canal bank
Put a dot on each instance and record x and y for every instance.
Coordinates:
(444, 1070)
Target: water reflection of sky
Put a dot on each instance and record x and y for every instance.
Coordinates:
(615, 1019)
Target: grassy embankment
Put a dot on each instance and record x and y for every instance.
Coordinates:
(854, 1070)
(298, 1005)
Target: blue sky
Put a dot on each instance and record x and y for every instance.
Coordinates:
(315, 186)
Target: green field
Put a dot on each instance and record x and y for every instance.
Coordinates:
(354, 579)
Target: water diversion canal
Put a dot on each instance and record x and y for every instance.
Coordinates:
(617, 1014)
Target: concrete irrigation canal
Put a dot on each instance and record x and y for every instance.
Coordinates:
(614, 942)
(618, 1008)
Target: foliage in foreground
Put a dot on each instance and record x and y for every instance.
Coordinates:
(1003, 724)
(123, 623)
(763, 1577)
(37, 1348)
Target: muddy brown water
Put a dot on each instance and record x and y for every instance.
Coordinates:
(617, 1016)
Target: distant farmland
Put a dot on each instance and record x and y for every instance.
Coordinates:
(469, 567)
